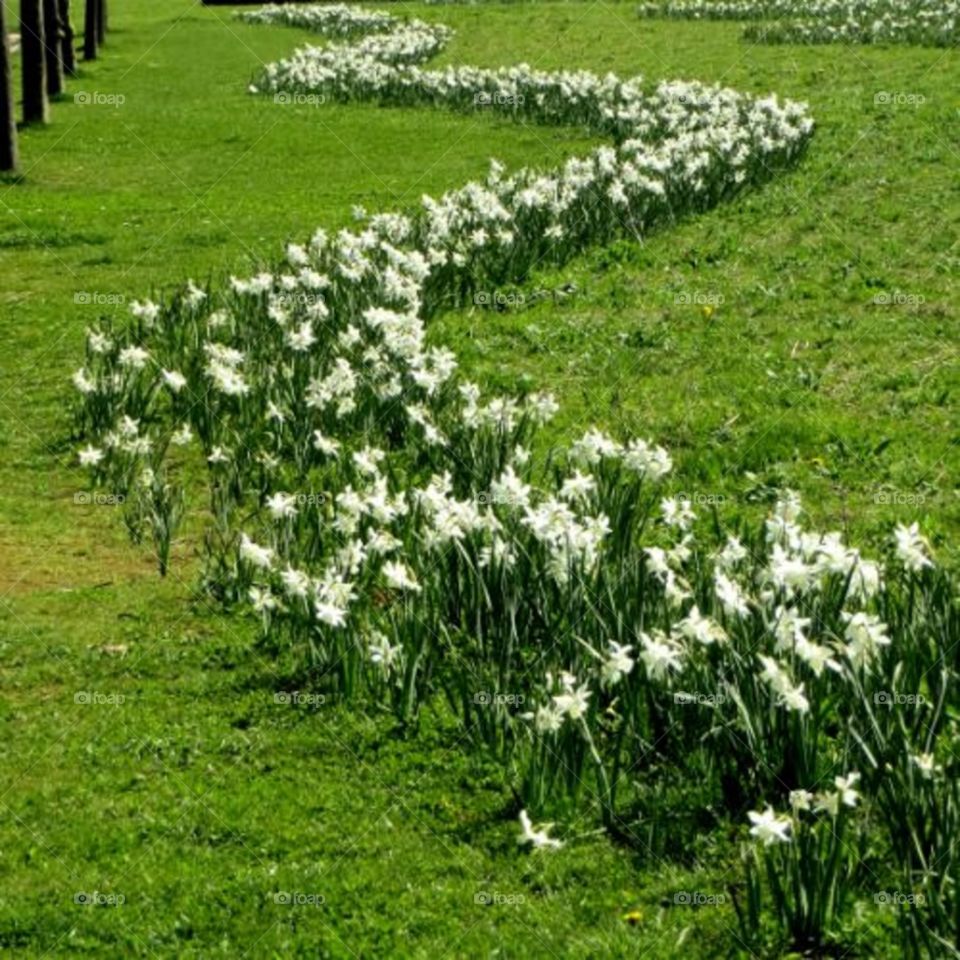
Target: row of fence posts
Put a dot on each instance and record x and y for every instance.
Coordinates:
(47, 58)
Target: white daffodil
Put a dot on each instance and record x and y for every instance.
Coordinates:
(175, 380)
(677, 513)
(657, 561)
(845, 788)
(776, 677)
(83, 383)
(332, 614)
(325, 445)
(592, 447)
(182, 436)
(254, 554)
(99, 342)
(547, 719)
(133, 357)
(382, 654)
(90, 456)
(398, 576)
(926, 764)
(617, 664)
(769, 828)
(575, 700)
(651, 462)
(733, 600)
(865, 635)
(912, 548)
(789, 628)
(193, 296)
(539, 839)
(542, 406)
(296, 583)
(733, 553)
(510, 490)
(844, 794)
(578, 486)
(660, 655)
(262, 599)
(147, 311)
(816, 656)
(700, 629)
(368, 461)
(281, 506)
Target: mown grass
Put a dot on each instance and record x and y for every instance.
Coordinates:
(199, 797)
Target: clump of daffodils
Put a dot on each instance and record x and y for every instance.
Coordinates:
(920, 22)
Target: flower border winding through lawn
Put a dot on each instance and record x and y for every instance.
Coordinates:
(393, 528)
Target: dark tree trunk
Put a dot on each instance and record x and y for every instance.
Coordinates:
(8, 123)
(90, 29)
(67, 54)
(51, 35)
(101, 21)
(34, 62)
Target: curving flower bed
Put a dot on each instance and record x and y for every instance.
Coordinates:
(391, 527)
(933, 23)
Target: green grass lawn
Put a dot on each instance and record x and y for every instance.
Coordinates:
(199, 798)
